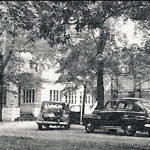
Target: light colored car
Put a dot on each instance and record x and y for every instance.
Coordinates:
(54, 114)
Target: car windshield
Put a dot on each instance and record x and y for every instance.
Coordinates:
(51, 106)
(146, 105)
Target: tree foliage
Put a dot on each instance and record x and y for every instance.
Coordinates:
(56, 17)
(18, 31)
(28, 21)
(77, 66)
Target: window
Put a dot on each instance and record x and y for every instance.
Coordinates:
(71, 98)
(66, 99)
(55, 95)
(121, 105)
(81, 97)
(124, 105)
(29, 96)
(137, 107)
(89, 99)
(86, 100)
(128, 106)
(51, 95)
(111, 105)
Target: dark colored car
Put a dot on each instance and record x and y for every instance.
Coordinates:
(131, 114)
(54, 114)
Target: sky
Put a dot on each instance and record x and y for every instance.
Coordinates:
(128, 28)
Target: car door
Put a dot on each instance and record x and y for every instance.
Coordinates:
(75, 114)
(125, 113)
(138, 115)
(108, 114)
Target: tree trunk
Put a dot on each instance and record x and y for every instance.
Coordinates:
(140, 93)
(100, 86)
(19, 94)
(1, 87)
(84, 98)
(112, 88)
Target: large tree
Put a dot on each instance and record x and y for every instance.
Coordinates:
(18, 31)
(56, 17)
(78, 66)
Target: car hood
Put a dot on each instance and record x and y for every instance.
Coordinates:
(54, 112)
(96, 111)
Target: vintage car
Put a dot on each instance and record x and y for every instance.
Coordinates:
(128, 114)
(54, 114)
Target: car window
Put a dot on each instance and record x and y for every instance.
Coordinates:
(111, 105)
(121, 105)
(138, 107)
(49, 106)
(124, 105)
(46, 106)
(146, 105)
(128, 106)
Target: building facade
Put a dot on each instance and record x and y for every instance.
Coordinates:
(31, 99)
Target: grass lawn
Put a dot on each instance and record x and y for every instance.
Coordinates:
(23, 143)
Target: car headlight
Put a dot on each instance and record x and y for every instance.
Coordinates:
(39, 117)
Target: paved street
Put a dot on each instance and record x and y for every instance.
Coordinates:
(75, 134)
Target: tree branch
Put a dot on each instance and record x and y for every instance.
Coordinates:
(94, 37)
(10, 53)
(123, 8)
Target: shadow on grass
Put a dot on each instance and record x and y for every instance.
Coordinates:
(121, 133)
(52, 128)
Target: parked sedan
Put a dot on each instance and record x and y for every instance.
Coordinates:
(54, 114)
(131, 114)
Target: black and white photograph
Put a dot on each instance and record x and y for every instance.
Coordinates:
(75, 75)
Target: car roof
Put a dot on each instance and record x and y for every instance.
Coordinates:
(52, 102)
(131, 99)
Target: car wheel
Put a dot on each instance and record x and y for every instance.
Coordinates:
(67, 126)
(39, 126)
(149, 133)
(129, 130)
(112, 131)
(89, 127)
(47, 126)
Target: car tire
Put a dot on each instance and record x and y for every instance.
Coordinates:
(149, 133)
(89, 127)
(67, 126)
(47, 126)
(112, 131)
(129, 130)
(40, 126)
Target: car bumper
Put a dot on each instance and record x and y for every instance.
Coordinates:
(147, 125)
(51, 123)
